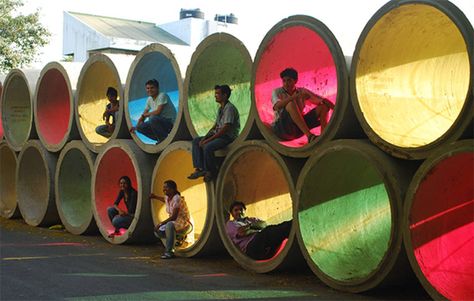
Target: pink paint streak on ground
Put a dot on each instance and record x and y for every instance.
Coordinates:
(303, 49)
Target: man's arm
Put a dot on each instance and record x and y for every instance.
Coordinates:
(318, 99)
(284, 99)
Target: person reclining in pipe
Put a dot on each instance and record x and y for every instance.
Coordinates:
(111, 110)
(118, 217)
(288, 104)
(160, 112)
(252, 235)
(179, 220)
(225, 130)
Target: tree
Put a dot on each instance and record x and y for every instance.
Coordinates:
(21, 36)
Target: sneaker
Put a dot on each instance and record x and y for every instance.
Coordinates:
(197, 174)
(167, 255)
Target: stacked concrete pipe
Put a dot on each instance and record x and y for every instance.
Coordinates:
(1, 93)
(35, 184)
(349, 213)
(17, 107)
(54, 104)
(412, 77)
(8, 199)
(122, 158)
(73, 181)
(175, 163)
(322, 69)
(439, 227)
(155, 61)
(258, 176)
(98, 73)
(219, 59)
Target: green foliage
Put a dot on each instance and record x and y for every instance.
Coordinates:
(21, 36)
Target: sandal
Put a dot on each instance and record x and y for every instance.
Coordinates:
(167, 255)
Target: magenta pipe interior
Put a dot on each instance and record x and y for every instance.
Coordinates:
(114, 164)
(53, 107)
(303, 49)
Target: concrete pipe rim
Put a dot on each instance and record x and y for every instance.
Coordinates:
(342, 76)
(10, 212)
(464, 118)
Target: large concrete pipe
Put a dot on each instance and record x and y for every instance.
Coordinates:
(155, 61)
(349, 215)
(35, 184)
(1, 95)
(219, 59)
(8, 201)
(17, 107)
(54, 104)
(412, 76)
(98, 73)
(122, 158)
(439, 229)
(73, 188)
(175, 163)
(258, 176)
(321, 68)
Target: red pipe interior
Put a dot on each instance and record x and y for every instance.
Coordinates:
(303, 49)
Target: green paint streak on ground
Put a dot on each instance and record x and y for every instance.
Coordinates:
(200, 295)
(345, 217)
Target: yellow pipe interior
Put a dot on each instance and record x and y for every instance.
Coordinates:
(412, 75)
(176, 166)
(92, 99)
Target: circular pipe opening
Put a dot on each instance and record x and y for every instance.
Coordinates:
(440, 212)
(219, 59)
(195, 193)
(8, 199)
(404, 88)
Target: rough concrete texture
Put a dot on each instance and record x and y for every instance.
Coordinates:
(440, 222)
(401, 77)
(8, 199)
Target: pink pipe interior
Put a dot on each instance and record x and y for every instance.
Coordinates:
(53, 107)
(303, 49)
(114, 164)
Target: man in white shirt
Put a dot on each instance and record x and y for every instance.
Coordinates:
(160, 112)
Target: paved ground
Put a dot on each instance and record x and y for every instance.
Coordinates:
(42, 264)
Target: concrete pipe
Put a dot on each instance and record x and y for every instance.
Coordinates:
(411, 78)
(1, 95)
(258, 176)
(321, 68)
(155, 61)
(98, 73)
(35, 185)
(122, 158)
(73, 188)
(219, 59)
(17, 107)
(439, 229)
(175, 163)
(349, 216)
(54, 104)
(8, 200)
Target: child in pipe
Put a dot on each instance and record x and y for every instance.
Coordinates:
(119, 217)
(225, 130)
(288, 104)
(111, 110)
(253, 236)
(179, 220)
(160, 112)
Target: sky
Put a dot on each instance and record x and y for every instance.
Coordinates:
(345, 18)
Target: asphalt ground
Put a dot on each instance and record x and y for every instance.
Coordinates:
(41, 264)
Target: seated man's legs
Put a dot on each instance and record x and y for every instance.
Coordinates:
(267, 241)
(112, 212)
(170, 232)
(208, 153)
(297, 117)
(145, 129)
(197, 154)
(103, 130)
(122, 221)
(160, 126)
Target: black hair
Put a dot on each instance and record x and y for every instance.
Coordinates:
(289, 72)
(127, 180)
(225, 89)
(153, 82)
(172, 184)
(236, 203)
(111, 91)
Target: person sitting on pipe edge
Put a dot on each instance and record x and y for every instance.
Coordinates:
(178, 224)
(252, 235)
(288, 104)
(225, 130)
(118, 217)
(111, 110)
(160, 112)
